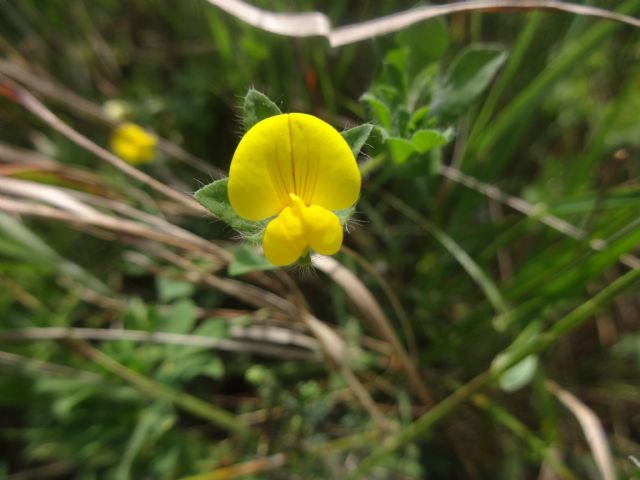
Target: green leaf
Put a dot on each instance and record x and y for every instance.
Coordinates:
(170, 289)
(417, 117)
(528, 336)
(257, 106)
(246, 260)
(214, 328)
(425, 140)
(426, 41)
(213, 368)
(214, 198)
(467, 77)
(356, 137)
(180, 318)
(380, 110)
(519, 375)
(401, 149)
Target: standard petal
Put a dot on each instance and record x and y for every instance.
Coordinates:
(292, 153)
(260, 176)
(324, 169)
(284, 238)
(323, 230)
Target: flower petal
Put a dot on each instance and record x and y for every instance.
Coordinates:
(260, 178)
(284, 238)
(326, 172)
(292, 153)
(323, 229)
(133, 144)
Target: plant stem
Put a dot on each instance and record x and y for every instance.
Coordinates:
(422, 425)
(189, 403)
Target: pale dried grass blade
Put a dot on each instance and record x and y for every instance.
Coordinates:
(311, 24)
(44, 193)
(49, 369)
(87, 109)
(11, 154)
(32, 104)
(166, 338)
(331, 342)
(336, 350)
(367, 304)
(186, 241)
(592, 428)
(392, 298)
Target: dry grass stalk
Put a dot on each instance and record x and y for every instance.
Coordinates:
(32, 104)
(48, 88)
(591, 427)
(367, 304)
(167, 338)
(311, 24)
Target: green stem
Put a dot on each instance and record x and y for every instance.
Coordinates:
(520, 430)
(188, 403)
(422, 425)
(571, 321)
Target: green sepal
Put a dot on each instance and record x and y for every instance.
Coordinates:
(257, 106)
(356, 137)
(305, 259)
(214, 198)
(345, 214)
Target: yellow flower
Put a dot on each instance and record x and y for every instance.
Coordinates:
(133, 144)
(299, 168)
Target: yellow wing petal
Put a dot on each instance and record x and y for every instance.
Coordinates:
(284, 238)
(323, 230)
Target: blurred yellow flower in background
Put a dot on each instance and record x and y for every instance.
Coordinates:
(299, 168)
(133, 144)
